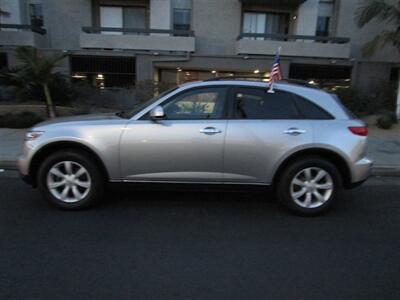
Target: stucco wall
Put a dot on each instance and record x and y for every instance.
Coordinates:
(64, 20)
(216, 25)
(12, 7)
(160, 14)
(306, 22)
(346, 27)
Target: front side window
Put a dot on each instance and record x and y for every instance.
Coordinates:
(206, 103)
(259, 104)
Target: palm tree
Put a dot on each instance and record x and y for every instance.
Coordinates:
(384, 12)
(35, 70)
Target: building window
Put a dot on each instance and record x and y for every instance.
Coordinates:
(36, 14)
(265, 23)
(3, 61)
(325, 16)
(323, 26)
(181, 19)
(182, 14)
(104, 71)
(123, 17)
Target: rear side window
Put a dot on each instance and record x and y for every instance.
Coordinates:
(259, 104)
(310, 110)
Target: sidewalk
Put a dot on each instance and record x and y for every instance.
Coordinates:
(383, 148)
(10, 146)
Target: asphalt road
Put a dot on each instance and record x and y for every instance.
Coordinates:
(199, 245)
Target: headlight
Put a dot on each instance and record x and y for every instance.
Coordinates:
(31, 135)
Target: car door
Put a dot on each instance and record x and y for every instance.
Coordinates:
(264, 128)
(186, 146)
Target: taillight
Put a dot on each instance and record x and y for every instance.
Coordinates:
(359, 130)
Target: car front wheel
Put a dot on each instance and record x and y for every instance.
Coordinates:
(309, 186)
(70, 180)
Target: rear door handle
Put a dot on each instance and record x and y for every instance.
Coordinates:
(294, 131)
(210, 130)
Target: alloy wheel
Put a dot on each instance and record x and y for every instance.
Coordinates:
(311, 187)
(69, 181)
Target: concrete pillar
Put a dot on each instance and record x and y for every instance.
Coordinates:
(398, 97)
(307, 15)
(160, 14)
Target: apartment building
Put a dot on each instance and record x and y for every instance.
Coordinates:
(116, 43)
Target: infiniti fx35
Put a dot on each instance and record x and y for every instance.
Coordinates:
(300, 140)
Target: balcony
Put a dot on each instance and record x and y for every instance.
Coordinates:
(137, 39)
(293, 45)
(274, 3)
(22, 35)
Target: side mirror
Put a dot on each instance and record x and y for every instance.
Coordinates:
(157, 113)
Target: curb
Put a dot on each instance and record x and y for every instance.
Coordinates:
(384, 171)
(8, 164)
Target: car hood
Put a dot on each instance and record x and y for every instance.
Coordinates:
(81, 118)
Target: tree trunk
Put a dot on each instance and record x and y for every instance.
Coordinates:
(49, 102)
(398, 97)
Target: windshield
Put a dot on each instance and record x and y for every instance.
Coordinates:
(142, 105)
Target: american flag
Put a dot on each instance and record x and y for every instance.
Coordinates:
(276, 73)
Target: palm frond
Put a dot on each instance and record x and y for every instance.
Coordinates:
(376, 9)
(381, 40)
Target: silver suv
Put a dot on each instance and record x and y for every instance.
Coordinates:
(299, 139)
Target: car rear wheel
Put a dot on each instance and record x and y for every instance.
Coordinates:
(70, 180)
(309, 186)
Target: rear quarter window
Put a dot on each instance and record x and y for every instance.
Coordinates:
(310, 110)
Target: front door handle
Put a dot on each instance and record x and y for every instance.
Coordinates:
(210, 130)
(294, 131)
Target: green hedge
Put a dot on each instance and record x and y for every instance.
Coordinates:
(24, 119)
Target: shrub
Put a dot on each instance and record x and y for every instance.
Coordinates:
(19, 120)
(381, 99)
(386, 121)
(89, 99)
(146, 89)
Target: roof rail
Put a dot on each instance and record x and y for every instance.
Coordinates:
(261, 78)
(237, 77)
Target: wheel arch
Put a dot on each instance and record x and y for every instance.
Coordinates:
(53, 147)
(333, 157)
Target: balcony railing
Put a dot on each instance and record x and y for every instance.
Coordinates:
(288, 38)
(22, 35)
(137, 39)
(289, 3)
(138, 31)
(23, 27)
(293, 45)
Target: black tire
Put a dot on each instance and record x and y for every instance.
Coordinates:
(97, 178)
(283, 189)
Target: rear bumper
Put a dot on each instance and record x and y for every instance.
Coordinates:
(361, 170)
